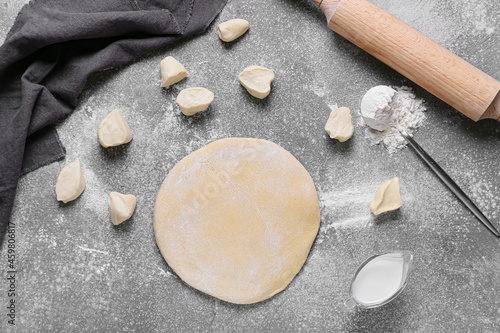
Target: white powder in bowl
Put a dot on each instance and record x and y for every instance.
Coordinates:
(407, 114)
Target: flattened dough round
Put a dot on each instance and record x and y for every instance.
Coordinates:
(237, 218)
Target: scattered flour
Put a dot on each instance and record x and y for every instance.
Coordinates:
(347, 209)
(476, 12)
(408, 115)
(333, 106)
(86, 249)
(166, 273)
(96, 197)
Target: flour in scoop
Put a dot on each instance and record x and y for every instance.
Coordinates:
(391, 110)
(376, 107)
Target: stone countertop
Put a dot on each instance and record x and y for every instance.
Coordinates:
(77, 272)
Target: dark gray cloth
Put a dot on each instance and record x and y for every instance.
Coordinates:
(48, 55)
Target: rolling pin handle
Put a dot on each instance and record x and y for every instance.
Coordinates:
(328, 7)
(493, 111)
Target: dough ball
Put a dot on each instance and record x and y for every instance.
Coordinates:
(114, 130)
(194, 100)
(70, 183)
(340, 125)
(121, 206)
(232, 29)
(387, 197)
(376, 107)
(172, 71)
(237, 218)
(257, 80)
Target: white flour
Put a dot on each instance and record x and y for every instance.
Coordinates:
(376, 107)
(408, 114)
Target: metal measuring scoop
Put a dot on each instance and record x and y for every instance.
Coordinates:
(449, 182)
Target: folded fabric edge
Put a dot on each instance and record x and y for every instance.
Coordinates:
(45, 140)
(208, 22)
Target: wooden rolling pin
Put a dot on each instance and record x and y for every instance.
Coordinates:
(431, 66)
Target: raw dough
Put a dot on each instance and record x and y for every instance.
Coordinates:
(194, 100)
(237, 218)
(257, 80)
(172, 71)
(114, 130)
(232, 29)
(376, 107)
(387, 197)
(70, 183)
(121, 206)
(340, 125)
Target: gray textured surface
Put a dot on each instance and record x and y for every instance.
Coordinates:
(77, 272)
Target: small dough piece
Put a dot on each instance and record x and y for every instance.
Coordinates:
(232, 29)
(340, 125)
(194, 100)
(257, 80)
(236, 219)
(172, 71)
(114, 130)
(387, 197)
(121, 206)
(70, 183)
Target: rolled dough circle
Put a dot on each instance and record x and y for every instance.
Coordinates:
(236, 219)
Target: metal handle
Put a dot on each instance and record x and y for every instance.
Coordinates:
(449, 182)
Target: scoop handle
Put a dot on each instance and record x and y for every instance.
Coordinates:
(431, 66)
